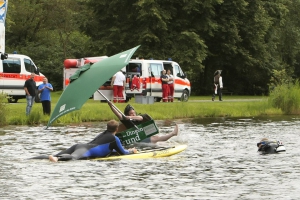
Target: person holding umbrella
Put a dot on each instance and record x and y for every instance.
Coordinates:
(130, 118)
(218, 85)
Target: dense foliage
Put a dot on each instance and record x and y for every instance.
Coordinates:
(248, 39)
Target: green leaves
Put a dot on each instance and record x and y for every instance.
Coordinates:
(247, 39)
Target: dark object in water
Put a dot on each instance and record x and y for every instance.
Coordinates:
(268, 147)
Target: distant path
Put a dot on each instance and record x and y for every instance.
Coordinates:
(225, 100)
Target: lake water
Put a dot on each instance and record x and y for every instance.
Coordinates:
(221, 162)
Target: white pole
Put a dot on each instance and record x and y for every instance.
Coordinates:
(3, 11)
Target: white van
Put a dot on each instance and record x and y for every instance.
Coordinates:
(14, 71)
(149, 72)
(72, 65)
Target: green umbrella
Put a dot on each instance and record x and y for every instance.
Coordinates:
(86, 81)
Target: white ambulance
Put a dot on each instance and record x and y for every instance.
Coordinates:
(14, 71)
(72, 65)
(144, 72)
(149, 72)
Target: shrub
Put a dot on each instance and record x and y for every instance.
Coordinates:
(3, 110)
(34, 118)
(286, 97)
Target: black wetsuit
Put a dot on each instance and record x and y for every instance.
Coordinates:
(101, 146)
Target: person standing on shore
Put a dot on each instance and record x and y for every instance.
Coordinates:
(45, 88)
(164, 84)
(171, 86)
(218, 85)
(118, 84)
(30, 88)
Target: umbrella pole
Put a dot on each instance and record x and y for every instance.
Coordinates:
(117, 109)
(111, 103)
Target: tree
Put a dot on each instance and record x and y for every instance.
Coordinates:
(248, 39)
(242, 44)
(164, 29)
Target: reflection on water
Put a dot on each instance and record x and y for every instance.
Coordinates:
(221, 162)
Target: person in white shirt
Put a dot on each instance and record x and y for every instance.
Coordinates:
(171, 86)
(218, 85)
(118, 84)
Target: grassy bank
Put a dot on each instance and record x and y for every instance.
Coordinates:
(196, 107)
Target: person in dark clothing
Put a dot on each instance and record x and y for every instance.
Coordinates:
(266, 146)
(218, 85)
(30, 88)
(131, 119)
(101, 146)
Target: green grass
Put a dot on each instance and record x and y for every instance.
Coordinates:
(3, 109)
(196, 107)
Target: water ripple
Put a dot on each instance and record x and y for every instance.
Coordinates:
(221, 162)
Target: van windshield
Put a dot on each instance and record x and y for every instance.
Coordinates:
(12, 65)
(178, 71)
(29, 66)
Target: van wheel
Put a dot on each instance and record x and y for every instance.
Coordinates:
(12, 100)
(157, 99)
(184, 96)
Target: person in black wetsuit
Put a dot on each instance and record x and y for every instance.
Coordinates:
(266, 146)
(131, 116)
(101, 146)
